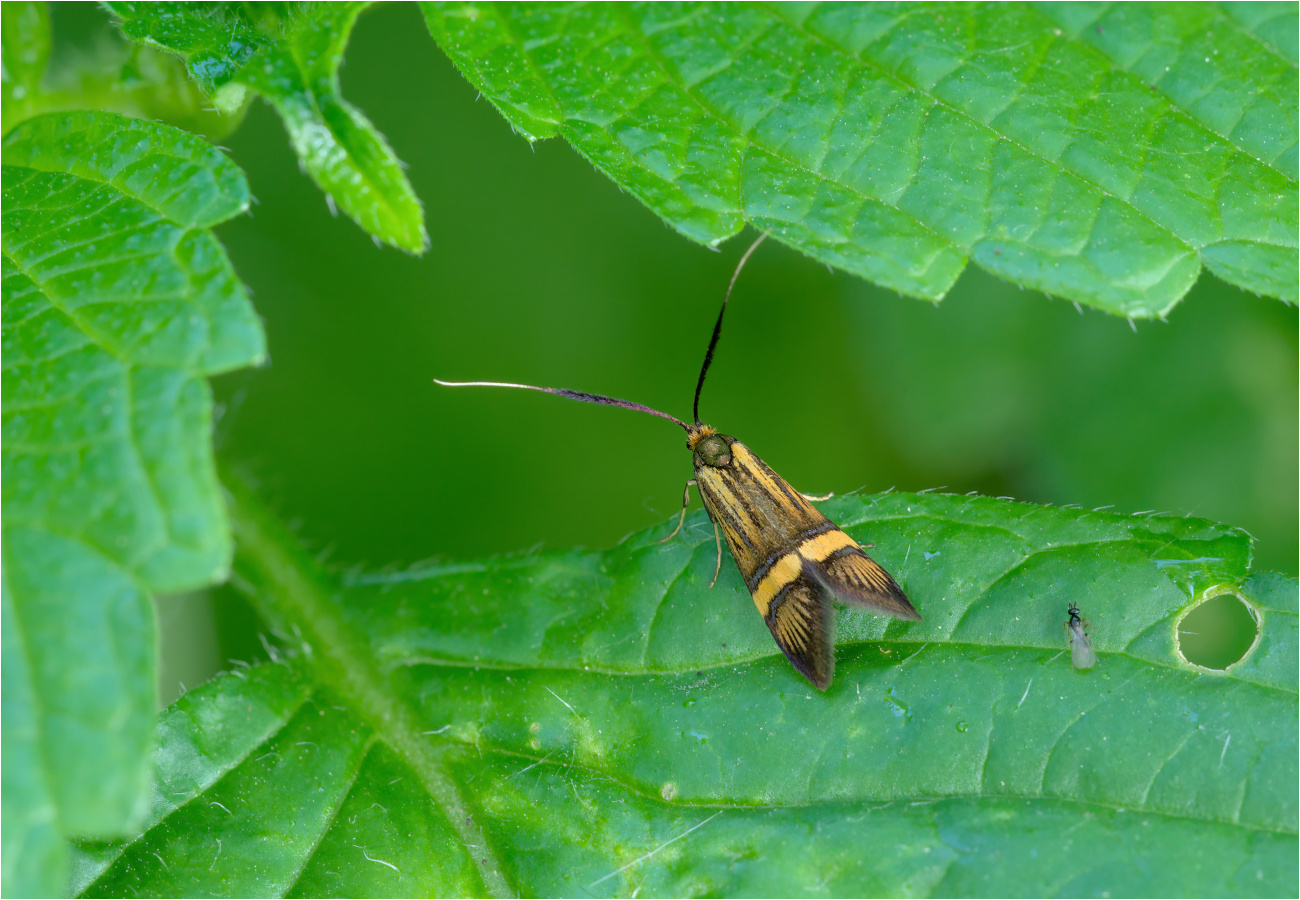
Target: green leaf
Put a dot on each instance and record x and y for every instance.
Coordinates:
(118, 303)
(1273, 23)
(111, 76)
(25, 44)
(1218, 77)
(290, 54)
(35, 854)
(604, 723)
(1100, 154)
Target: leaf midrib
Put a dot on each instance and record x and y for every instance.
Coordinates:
(654, 796)
(595, 668)
(298, 597)
(1013, 566)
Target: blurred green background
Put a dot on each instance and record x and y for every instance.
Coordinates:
(542, 271)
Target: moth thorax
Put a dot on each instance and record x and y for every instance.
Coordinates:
(713, 450)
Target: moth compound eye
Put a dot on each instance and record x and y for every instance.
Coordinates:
(714, 451)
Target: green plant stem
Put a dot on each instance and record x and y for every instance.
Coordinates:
(291, 593)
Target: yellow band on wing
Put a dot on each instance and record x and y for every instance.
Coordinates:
(786, 570)
(815, 549)
(818, 547)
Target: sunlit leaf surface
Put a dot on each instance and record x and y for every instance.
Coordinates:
(604, 723)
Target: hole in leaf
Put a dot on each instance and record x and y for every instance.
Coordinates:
(1217, 632)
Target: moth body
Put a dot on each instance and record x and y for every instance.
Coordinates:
(793, 559)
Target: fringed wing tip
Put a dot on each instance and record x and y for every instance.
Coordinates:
(905, 610)
(822, 669)
(803, 625)
(819, 676)
(857, 579)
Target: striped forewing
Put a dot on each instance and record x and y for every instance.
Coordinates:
(793, 560)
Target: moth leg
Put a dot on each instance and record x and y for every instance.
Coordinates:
(686, 501)
(718, 568)
(814, 497)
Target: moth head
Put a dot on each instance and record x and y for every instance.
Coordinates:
(709, 447)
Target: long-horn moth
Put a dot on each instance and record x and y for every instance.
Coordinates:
(794, 560)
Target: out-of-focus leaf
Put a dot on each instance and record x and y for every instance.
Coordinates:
(1273, 23)
(115, 76)
(900, 141)
(24, 49)
(604, 723)
(117, 304)
(290, 54)
(35, 854)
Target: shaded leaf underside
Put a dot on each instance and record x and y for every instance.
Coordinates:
(603, 722)
(1104, 154)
